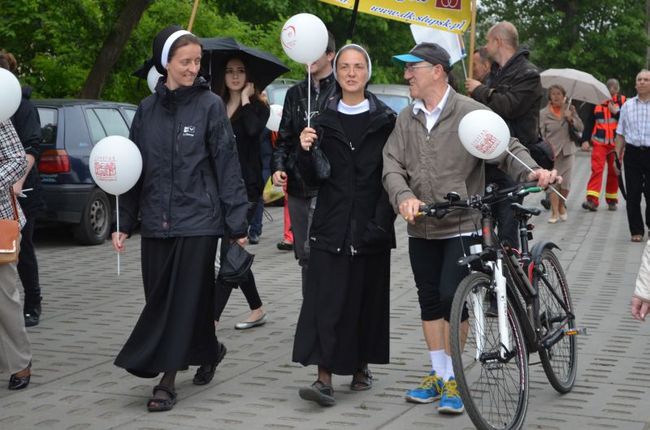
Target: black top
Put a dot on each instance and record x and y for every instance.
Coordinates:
(248, 125)
(352, 212)
(354, 126)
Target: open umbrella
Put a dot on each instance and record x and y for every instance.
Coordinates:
(262, 66)
(579, 85)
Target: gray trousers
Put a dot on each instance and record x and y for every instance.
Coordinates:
(15, 350)
(301, 211)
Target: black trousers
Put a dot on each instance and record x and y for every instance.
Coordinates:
(637, 182)
(437, 274)
(28, 266)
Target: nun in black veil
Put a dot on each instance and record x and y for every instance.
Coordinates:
(190, 190)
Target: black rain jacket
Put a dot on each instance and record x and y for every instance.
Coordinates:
(191, 182)
(353, 214)
(514, 91)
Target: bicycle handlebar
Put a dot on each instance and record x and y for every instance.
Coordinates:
(439, 210)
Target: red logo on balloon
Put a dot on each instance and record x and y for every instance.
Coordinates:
(288, 36)
(448, 4)
(105, 169)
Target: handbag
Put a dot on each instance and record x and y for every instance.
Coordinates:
(575, 135)
(320, 162)
(10, 236)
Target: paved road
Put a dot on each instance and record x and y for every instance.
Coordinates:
(89, 311)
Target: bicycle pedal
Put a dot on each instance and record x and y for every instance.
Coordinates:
(575, 331)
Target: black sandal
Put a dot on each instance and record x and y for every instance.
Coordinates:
(363, 382)
(205, 373)
(160, 405)
(318, 392)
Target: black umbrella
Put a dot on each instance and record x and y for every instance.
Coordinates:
(262, 67)
(621, 183)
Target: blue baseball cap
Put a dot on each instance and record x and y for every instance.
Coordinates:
(430, 52)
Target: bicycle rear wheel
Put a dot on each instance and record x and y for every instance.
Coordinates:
(495, 391)
(560, 361)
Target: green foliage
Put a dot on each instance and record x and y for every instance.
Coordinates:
(606, 39)
(56, 44)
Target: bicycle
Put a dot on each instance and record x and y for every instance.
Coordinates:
(513, 303)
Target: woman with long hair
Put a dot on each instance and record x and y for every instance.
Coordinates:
(248, 115)
(190, 191)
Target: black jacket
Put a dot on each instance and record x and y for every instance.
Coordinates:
(248, 126)
(191, 183)
(28, 126)
(514, 91)
(352, 212)
(294, 120)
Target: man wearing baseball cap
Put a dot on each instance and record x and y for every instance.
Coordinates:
(423, 161)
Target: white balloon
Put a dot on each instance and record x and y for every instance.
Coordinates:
(275, 116)
(152, 78)
(304, 38)
(10, 94)
(484, 134)
(115, 164)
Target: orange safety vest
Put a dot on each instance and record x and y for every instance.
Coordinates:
(604, 130)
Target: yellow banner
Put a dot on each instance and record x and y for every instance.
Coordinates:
(447, 15)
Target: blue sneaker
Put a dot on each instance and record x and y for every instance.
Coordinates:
(450, 401)
(429, 390)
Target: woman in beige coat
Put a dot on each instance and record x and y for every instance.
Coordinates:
(557, 121)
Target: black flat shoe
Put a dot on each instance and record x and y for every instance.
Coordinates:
(32, 315)
(205, 373)
(20, 382)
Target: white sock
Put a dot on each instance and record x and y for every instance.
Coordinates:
(438, 362)
(449, 368)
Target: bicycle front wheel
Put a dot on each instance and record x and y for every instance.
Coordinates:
(494, 389)
(560, 360)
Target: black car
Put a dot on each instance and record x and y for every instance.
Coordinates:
(70, 129)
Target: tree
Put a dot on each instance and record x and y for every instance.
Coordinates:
(113, 47)
(606, 39)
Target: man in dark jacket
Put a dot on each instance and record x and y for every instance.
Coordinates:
(283, 162)
(513, 89)
(28, 126)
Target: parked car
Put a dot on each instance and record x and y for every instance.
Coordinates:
(277, 90)
(70, 129)
(397, 97)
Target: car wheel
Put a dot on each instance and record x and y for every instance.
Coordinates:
(95, 220)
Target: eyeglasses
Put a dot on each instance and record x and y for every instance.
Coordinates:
(411, 68)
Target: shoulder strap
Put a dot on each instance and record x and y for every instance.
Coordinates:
(13, 203)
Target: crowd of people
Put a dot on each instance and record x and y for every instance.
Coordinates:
(349, 166)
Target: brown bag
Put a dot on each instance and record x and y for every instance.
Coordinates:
(10, 236)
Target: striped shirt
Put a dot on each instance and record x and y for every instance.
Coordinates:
(634, 122)
(13, 165)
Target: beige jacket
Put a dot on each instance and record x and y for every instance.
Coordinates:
(428, 165)
(556, 131)
(642, 290)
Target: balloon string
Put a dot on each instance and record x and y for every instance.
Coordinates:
(308, 94)
(117, 208)
(531, 170)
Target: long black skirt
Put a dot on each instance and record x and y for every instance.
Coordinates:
(176, 327)
(345, 316)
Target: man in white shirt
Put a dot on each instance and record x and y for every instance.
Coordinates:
(423, 161)
(633, 140)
